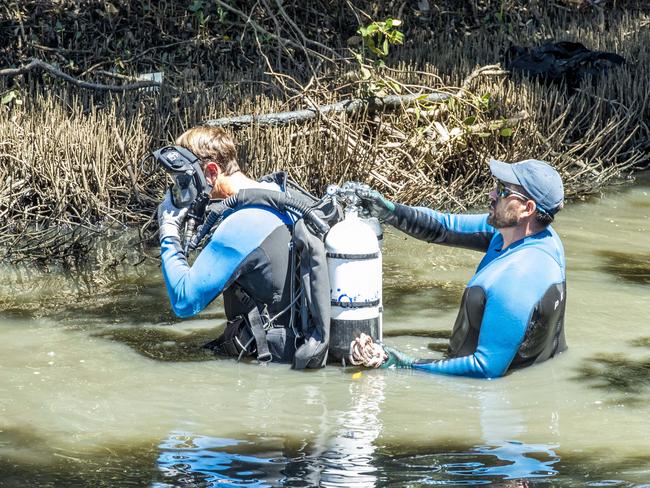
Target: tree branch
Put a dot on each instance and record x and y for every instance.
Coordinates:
(38, 64)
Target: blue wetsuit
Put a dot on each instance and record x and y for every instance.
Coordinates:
(512, 311)
(250, 248)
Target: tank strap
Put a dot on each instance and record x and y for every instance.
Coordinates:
(256, 323)
(357, 257)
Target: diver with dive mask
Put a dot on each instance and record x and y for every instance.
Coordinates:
(248, 255)
(190, 189)
(270, 251)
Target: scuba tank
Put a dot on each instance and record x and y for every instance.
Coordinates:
(355, 270)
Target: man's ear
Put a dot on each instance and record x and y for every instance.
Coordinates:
(531, 206)
(211, 170)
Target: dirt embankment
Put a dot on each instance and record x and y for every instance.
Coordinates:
(70, 150)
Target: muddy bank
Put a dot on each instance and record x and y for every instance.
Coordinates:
(70, 157)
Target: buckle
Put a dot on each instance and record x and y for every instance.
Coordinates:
(265, 358)
(266, 319)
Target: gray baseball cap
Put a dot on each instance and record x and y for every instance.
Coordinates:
(538, 178)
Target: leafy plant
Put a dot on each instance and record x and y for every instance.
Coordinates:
(377, 39)
(379, 36)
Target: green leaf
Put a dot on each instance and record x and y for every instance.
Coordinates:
(363, 31)
(506, 132)
(469, 120)
(372, 28)
(389, 23)
(9, 97)
(385, 47)
(485, 100)
(483, 134)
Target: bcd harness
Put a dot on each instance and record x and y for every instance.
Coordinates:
(245, 334)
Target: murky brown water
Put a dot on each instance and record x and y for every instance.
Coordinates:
(114, 391)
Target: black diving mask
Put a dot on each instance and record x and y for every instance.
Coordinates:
(184, 168)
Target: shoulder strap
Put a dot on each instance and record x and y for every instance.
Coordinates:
(288, 185)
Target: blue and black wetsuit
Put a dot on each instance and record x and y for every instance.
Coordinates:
(250, 248)
(512, 311)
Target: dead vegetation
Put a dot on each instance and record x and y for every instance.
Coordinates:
(70, 157)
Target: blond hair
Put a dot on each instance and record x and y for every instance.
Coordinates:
(211, 144)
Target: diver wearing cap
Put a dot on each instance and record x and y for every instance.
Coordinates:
(512, 311)
(247, 257)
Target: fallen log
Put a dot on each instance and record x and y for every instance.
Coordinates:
(372, 104)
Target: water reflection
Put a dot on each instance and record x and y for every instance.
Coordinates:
(616, 372)
(165, 345)
(349, 460)
(506, 464)
(188, 459)
(510, 461)
(631, 267)
(342, 458)
(348, 455)
(192, 460)
(502, 422)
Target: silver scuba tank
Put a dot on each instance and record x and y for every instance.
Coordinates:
(355, 270)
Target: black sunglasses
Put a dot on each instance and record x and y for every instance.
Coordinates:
(504, 192)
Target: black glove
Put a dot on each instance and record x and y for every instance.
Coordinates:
(375, 203)
(397, 359)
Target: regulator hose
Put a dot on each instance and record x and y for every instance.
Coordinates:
(252, 196)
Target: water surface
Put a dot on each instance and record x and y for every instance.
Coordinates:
(101, 386)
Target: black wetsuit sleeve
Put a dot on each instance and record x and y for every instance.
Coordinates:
(469, 231)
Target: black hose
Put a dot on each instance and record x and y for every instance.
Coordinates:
(274, 199)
